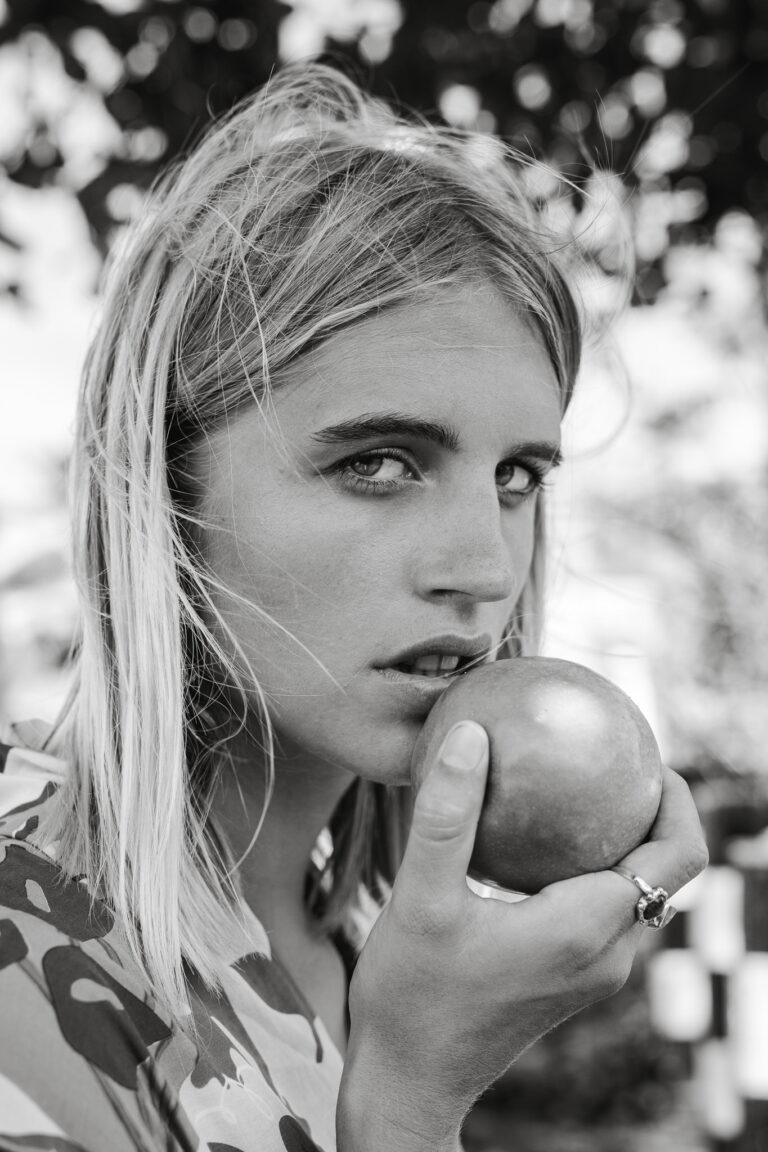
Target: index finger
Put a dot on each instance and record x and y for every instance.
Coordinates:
(676, 850)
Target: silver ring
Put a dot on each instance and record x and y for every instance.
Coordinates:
(653, 909)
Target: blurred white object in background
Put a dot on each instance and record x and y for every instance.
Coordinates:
(718, 939)
(680, 995)
(716, 1096)
(748, 1010)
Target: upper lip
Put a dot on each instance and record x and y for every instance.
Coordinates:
(470, 647)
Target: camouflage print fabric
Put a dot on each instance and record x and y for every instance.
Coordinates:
(90, 1063)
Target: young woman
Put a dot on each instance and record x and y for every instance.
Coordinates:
(321, 405)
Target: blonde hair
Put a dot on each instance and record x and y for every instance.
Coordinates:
(305, 209)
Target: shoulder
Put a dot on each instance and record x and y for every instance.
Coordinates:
(88, 1057)
(74, 1033)
(39, 902)
(29, 777)
(74, 1030)
(76, 1023)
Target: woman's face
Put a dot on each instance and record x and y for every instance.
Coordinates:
(362, 543)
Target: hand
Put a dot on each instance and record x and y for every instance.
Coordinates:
(450, 988)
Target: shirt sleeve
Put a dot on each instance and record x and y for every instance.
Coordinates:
(26, 1126)
(77, 1060)
(90, 1060)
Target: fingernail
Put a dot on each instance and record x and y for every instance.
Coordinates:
(464, 746)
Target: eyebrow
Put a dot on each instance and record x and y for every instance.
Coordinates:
(374, 424)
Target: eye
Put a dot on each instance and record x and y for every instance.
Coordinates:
(377, 472)
(384, 468)
(517, 479)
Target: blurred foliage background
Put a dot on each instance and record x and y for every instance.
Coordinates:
(652, 116)
(669, 94)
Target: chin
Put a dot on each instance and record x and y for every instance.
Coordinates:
(381, 757)
(354, 739)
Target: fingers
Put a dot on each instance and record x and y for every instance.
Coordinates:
(676, 850)
(674, 853)
(445, 816)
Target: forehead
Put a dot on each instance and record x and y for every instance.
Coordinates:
(460, 352)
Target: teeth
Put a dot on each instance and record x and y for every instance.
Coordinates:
(434, 664)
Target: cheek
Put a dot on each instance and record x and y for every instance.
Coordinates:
(520, 537)
(316, 574)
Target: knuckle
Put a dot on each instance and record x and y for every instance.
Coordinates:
(699, 857)
(611, 974)
(583, 953)
(422, 912)
(435, 923)
(695, 861)
(611, 982)
(439, 819)
(600, 964)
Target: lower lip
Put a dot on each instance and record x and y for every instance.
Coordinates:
(418, 691)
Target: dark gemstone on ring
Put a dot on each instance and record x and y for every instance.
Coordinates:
(653, 908)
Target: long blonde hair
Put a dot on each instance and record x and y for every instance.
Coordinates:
(305, 209)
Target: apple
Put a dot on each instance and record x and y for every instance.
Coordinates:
(574, 779)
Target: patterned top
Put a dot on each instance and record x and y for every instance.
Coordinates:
(88, 1060)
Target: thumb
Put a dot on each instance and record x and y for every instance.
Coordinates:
(445, 813)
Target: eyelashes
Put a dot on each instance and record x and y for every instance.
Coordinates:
(369, 483)
(536, 475)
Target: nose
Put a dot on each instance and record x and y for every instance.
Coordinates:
(474, 549)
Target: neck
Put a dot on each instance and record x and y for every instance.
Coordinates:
(306, 791)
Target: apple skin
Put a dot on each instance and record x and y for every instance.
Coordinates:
(574, 780)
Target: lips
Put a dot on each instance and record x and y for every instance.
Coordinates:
(445, 655)
(434, 664)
